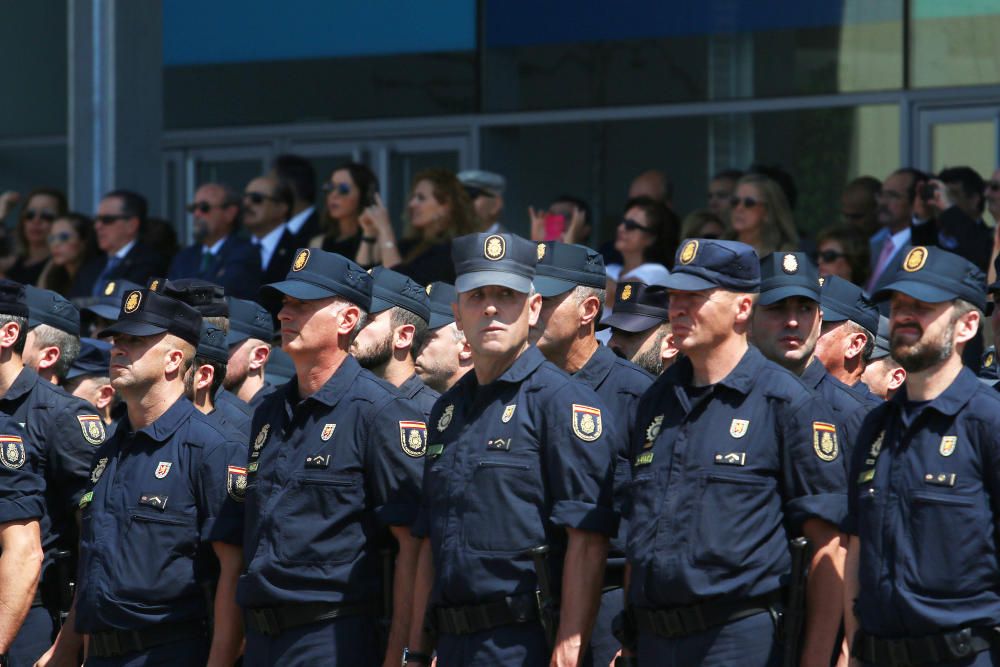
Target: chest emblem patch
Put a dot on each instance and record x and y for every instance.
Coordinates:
(825, 441)
(738, 427)
(587, 422)
(653, 430)
(445, 420)
(948, 443)
(162, 469)
(92, 427)
(98, 470)
(413, 438)
(508, 412)
(236, 483)
(261, 438)
(12, 451)
(327, 433)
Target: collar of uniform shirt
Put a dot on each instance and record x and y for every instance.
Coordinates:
(951, 401)
(813, 374)
(23, 383)
(166, 424)
(523, 366)
(597, 367)
(333, 389)
(741, 378)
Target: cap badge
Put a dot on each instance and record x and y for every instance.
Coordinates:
(789, 264)
(587, 422)
(915, 259)
(495, 247)
(738, 427)
(626, 292)
(988, 361)
(541, 251)
(821, 281)
(300, 260)
(109, 289)
(689, 251)
(132, 302)
(154, 284)
(948, 443)
(428, 288)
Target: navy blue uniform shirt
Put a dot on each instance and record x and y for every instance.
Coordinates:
(509, 464)
(325, 472)
(721, 483)
(22, 487)
(848, 405)
(415, 390)
(67, 431)
(925, 503)
(234, 412)
(157, 498)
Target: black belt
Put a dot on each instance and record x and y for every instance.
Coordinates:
(113, 643)
(684, 621)
(486, 616)
(944, 647)
(272, 621)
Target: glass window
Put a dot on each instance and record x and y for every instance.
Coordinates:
(954, 42)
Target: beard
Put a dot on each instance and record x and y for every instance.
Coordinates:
(649, 359)
(374, 355)
(924, 354)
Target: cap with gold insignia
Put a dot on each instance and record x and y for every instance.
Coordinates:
(563, 266)
(707, 263)
(441, 296)
(638, 307)
(787, 274)
(48, 307)
(13, 300)
(504, 260)
(391, 289)
(206, 297)
(146, 313)
(94, 359)
(842, 300)
(248, 319)
(989, 369)
(108, 305)
(317, 274)
(933, 275)
(212, 343)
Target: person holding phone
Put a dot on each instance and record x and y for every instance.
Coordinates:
(351, 189)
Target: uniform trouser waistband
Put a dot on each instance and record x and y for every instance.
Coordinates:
(470, 619)
(113, 643)
(930, 649)
(684, 621)
(272, 621)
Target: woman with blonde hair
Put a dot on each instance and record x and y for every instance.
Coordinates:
(760, 216)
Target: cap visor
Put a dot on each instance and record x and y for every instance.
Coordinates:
(295, 289)
(378, 305)
(920, 291)
(547, 286)
(831, 314)
(439, 320)
(879, 353)
(630, 322)
(235, 337)
(470, 281)
(131, 328)
(107, 312)
(687, 282)
(777, 294)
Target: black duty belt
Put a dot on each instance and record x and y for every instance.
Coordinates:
(477, 618)
(272, 621)
(684, 621)
(931, 649)
(113, 643)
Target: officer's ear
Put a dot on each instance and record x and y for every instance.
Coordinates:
(856, 342)
(668, 351)
(48, 356)
(534, 308)
(105, 394)
(455, 313)
(10, 332)
(967, 325)
(896, 379)
(402, 336)
(349, 316)
(203, 376)
(743, 307)
(590, 308)
(258, 356)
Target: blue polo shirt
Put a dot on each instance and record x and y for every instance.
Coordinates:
(156, 498)
(234, 412)
(326, 473)
(415, 390)
(22, 487)
(509, 465)
(925, 502)
(722, 477)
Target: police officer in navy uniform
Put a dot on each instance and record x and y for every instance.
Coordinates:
(249, 342)
(883, 375)
(731, 456)
(847, 338)
(520, 455)
(66, 431)
(101, 312)
(89, 378)
(165, 494)
(22, 523)
(640, 326)
(203, 379)
(394, 331)
(922, 570)
(444, 357)
(571, 280)
(53, 340)
(786, 325)
(336, 458)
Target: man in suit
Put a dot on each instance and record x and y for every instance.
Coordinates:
(298, 174)
(120, 217)
(218, 254)
(959, 203)
(266, 205)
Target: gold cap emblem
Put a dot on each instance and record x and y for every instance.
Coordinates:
(915, 259)
(626, 292)
(132, 302)
(495, 247)
(300, 260)
(541, 251)
(154, 285)
(689, 251)
(789, 264)
(109, 289)
(428, 288)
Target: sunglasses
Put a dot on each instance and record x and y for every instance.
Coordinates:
(109, 219)
(32, 214)
(631, 225)
(342, 189)
(748, 202)
(829, 256)
(257, 197)
(61, 237)
(202, 207)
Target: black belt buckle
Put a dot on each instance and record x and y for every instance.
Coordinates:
(959, 643)
(265, 621)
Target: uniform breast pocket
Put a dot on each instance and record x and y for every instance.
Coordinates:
(734, 520)
(320, 518)
(503, 508)
(640, 506)
(156, 556)
(949, 539)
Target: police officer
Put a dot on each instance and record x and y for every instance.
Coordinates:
(520, 456)
(445, 356)
(336, 457)
(99, 313)
(66, 430)
(249, 342)
(53, 340)
(393, 332)
(204, 378)
(847, 338)
(571, 280)
(731, 456)
(165, 493)
(640, 326)
(922, 569)
(786, 325)
(89, 378)
(883, 375)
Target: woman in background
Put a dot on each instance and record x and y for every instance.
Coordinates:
(760, 216)
(71, 243)
(41, 208)
(352, 188)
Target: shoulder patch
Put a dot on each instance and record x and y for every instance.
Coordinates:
(236, 483)
(12, 451)
(825, 441)
(93, 428)
(587, 422)
(413, 438)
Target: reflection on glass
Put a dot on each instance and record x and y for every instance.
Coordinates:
(954, 42)
(971, 144)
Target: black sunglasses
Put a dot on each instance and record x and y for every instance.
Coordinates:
(61, 237)
(109, 219)
(32, 214)
(829, 256)
(748, 202)
(631, 225)
(202, 206)
(257, 197)
(342, 189)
